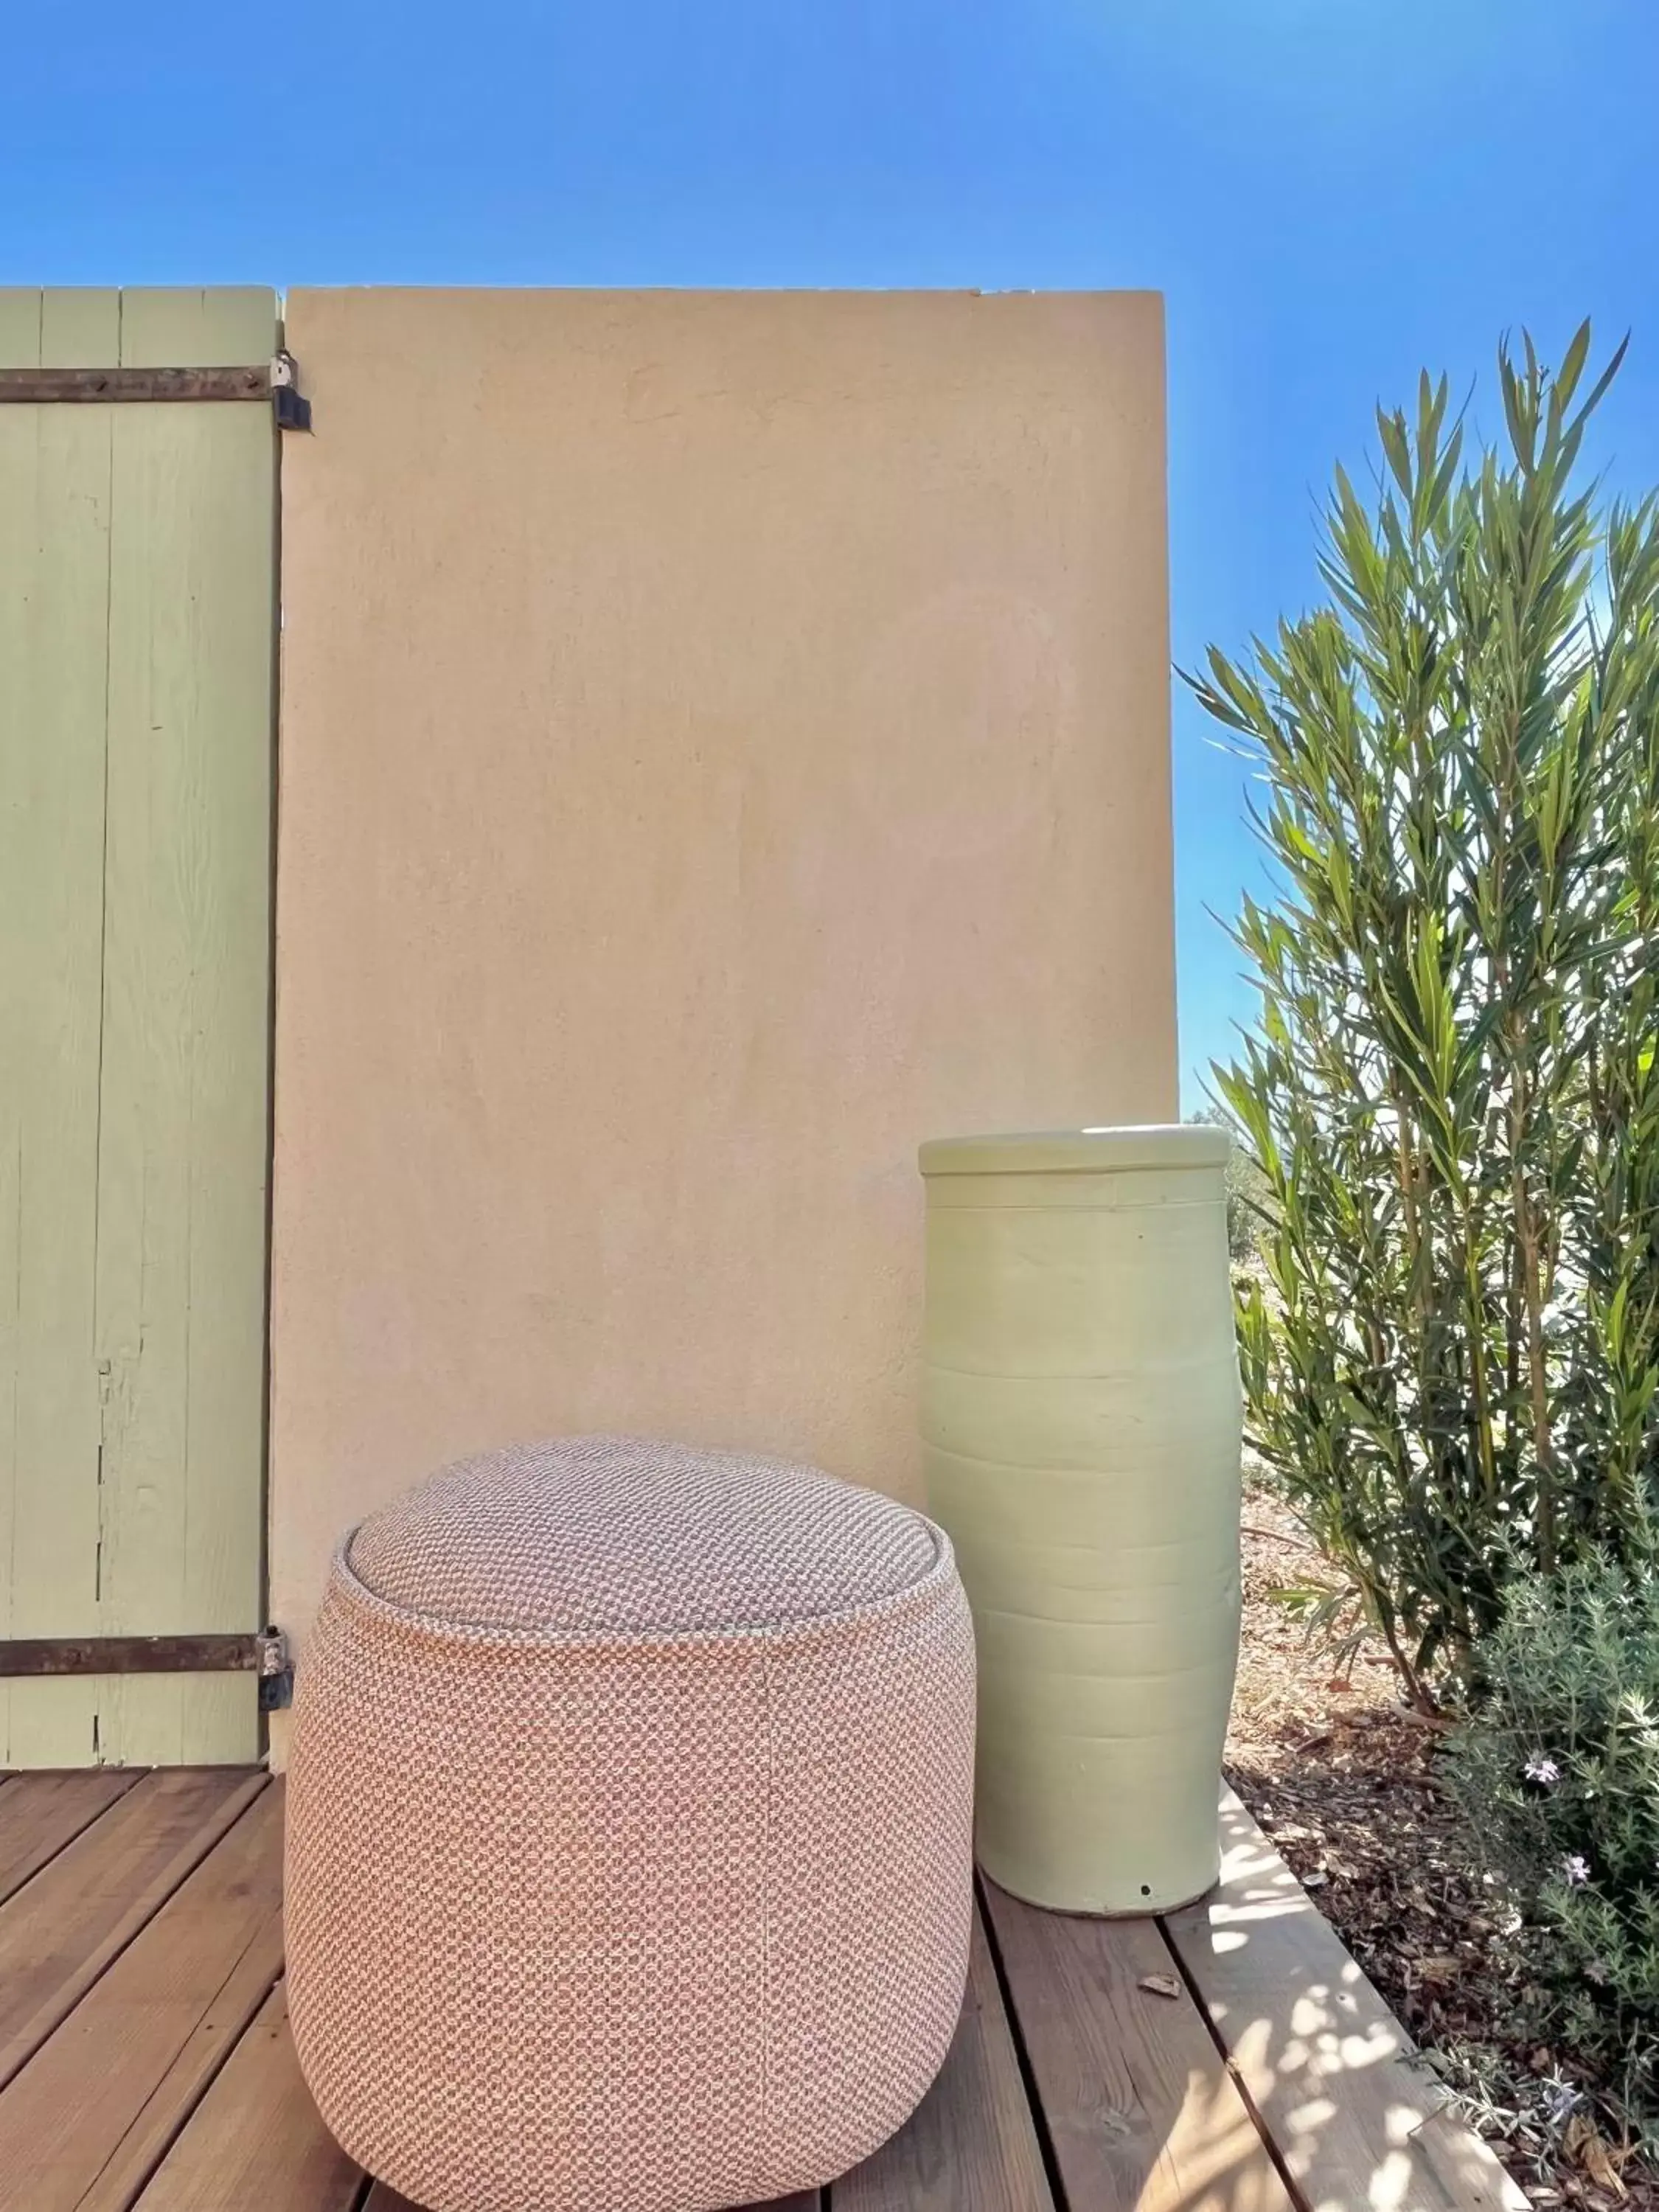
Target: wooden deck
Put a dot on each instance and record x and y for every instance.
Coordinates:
(1228, 2059)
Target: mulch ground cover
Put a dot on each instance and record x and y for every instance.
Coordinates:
(1343, 1780)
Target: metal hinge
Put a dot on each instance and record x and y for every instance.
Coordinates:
(276, 1672)
(276, 381)
(293, 411)
(265, 1654)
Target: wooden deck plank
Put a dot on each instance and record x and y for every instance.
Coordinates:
(40, 1813)
(67, 2114)
(1321, 2056)
(257, 2137)
(1141, 2112)
(58, 1933)
(971, 2145)
(180, 2089)
(170, 2085)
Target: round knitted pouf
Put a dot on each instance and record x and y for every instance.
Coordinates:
(629, 1824)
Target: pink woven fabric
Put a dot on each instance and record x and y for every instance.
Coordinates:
(629, 1830)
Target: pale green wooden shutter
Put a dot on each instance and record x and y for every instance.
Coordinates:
(136, 686)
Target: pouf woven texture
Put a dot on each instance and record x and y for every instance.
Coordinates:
(630, 1858)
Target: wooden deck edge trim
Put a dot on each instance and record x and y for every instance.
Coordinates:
(1045, 2141)
(25, 1872)
(1298, 2196)
(1462, 2169)
(184, 1862)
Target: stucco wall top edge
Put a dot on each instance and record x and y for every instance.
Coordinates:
(990, 295)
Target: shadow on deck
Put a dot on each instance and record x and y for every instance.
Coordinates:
(1230, 2057)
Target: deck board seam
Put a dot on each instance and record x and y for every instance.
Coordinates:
(188, 2109)
(1297, 2195)
(1045, 2142)
(65, 2000)
(99, 1813)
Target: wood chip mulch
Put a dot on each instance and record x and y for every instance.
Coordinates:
(1342, 1778)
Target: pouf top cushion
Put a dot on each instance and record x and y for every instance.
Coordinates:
(596, 1535)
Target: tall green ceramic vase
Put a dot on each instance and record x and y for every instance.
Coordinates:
(1081, 1420)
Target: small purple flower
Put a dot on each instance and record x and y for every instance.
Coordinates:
(1542, 1769)
(1560, 2099)
(1575, 1870)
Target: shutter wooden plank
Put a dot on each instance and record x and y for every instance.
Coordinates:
(20, 348)
(40, 1814)
(182, 1170)
(55, 504)
(58, 1934)
(80, 328)
(20, 326)
(257, 2138)
(970, 2146)
(1140, 2109)
(67, 2114)
(1322, 2058)
(218, 327)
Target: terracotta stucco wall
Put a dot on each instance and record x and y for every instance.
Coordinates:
(724, 740)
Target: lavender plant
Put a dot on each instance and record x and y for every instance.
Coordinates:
(1559, 1777)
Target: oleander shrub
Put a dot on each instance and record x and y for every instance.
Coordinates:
(1558, 1773)
(1450, 1092)
(1246, 1190)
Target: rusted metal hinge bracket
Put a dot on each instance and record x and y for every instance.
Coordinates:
(265, 1654)
(276, 1672)
(292, 412)
(275, 383)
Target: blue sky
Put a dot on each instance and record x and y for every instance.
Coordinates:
(1330, 193)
